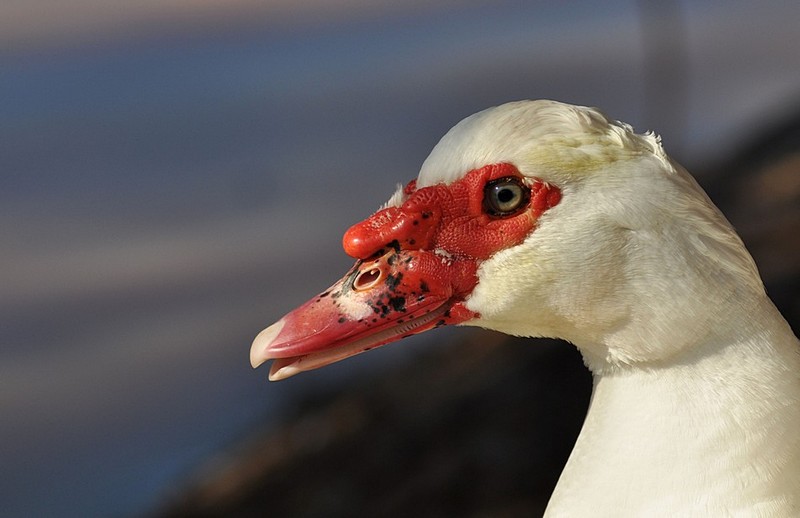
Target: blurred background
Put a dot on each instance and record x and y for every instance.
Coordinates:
(175, 175)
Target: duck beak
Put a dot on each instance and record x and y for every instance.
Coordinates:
(388, 296)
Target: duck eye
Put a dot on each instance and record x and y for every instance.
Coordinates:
(505, 196)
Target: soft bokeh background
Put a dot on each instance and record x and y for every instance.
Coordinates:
(175, 175)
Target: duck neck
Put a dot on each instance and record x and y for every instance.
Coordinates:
(710, 433)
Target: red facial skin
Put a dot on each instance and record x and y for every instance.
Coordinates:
(451, 218)
(417, 265)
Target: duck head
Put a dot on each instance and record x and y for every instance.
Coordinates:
(534, 218)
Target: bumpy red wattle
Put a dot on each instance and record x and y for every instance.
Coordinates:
(406, 227)
(450, 218)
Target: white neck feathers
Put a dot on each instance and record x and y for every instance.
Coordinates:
(712, 433)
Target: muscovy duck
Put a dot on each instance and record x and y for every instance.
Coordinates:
(538, 218)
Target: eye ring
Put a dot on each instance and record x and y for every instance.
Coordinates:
(504, 197)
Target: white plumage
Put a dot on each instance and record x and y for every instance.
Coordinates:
(696, 402)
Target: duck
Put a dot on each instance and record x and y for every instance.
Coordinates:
(545, 219)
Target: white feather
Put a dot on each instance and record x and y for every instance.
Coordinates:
(696, 408)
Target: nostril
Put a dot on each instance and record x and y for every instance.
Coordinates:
(366, 279)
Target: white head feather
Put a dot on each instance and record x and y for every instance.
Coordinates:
(696, 401)
(633, 264)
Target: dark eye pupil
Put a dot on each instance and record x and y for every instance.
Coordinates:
(505, 196)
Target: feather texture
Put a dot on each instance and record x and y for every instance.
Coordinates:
(696, 408)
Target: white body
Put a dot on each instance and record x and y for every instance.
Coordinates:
(696, 405)
(712, 433)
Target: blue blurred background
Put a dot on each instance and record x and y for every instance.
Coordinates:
(176, 175)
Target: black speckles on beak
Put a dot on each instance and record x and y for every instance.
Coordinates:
(383, 298)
